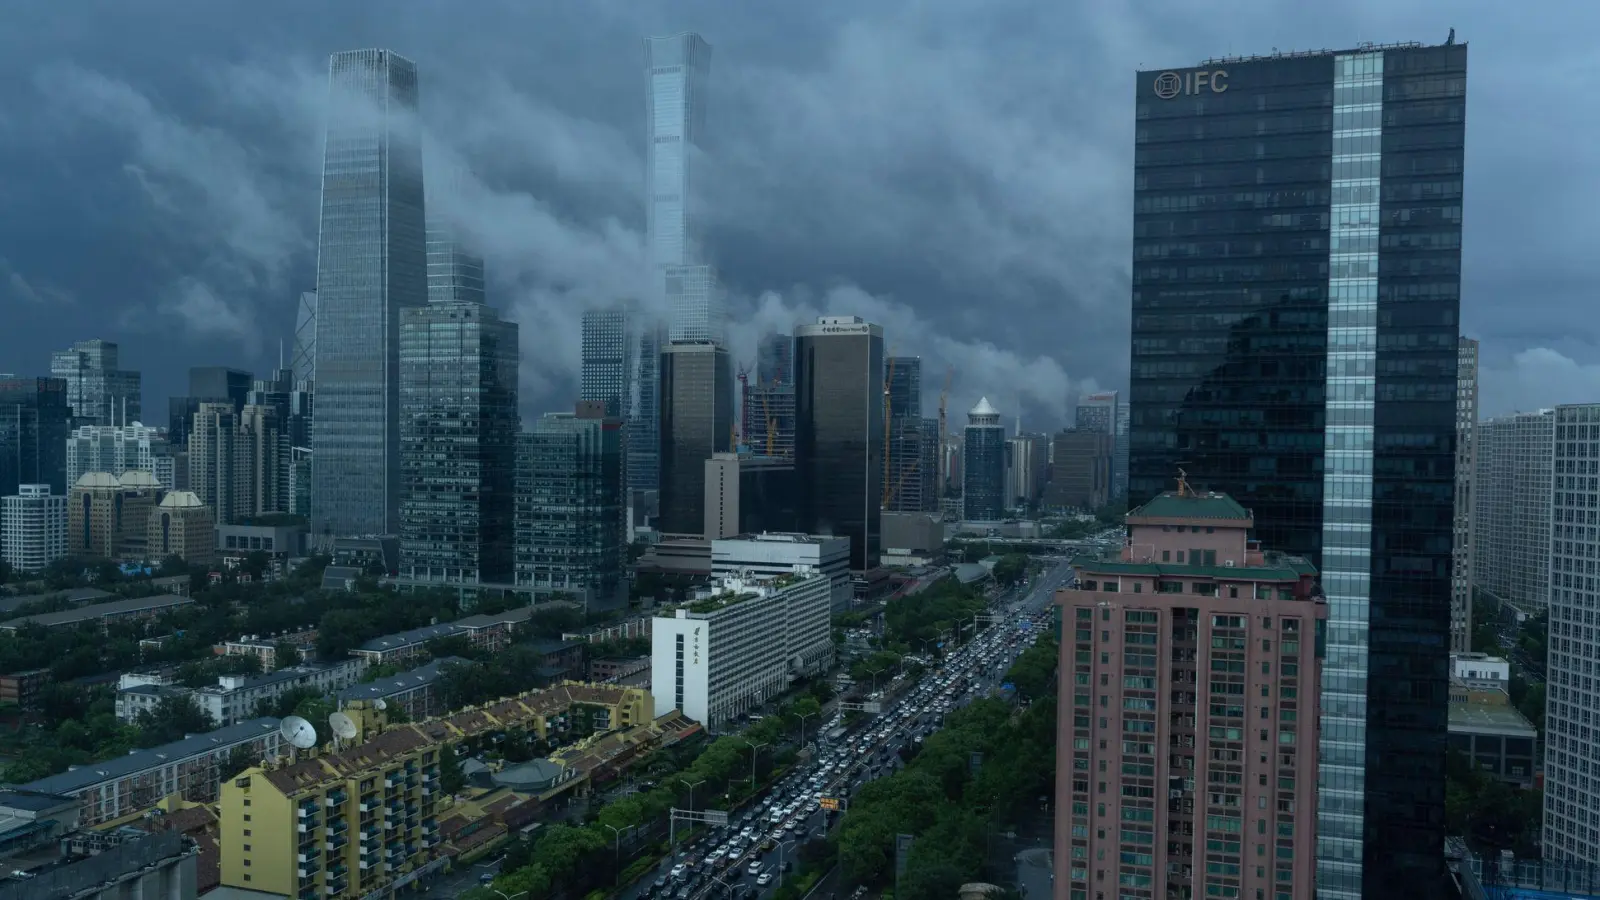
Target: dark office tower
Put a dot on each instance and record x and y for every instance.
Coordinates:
(644, 423)
(983, 469)
(1296, 289)
(928, 467)
(569, 507)
(98, 392)
(838, 374)
(453, 273)
(35, 421)
(607, 353)
(775, 359)
(696, 422)
(458, 443)
(903, 396)
(207, 384)
(371, 264)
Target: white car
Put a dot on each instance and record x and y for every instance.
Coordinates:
(764, 879)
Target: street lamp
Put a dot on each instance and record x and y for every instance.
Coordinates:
(754, 747)
(875, 673)
(803, 717)
(691, 785)
(616, 848)
(782, 847)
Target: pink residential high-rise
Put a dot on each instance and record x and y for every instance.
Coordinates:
(1191, 667)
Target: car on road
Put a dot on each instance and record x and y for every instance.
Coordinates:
(764, 879)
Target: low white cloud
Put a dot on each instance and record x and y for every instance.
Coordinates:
(17, 287)
(1536, 378)
(206, 315)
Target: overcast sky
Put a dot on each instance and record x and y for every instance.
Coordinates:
(958, 171)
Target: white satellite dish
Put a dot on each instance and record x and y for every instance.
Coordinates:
(343, 726)
(298, 732)
(380, 704)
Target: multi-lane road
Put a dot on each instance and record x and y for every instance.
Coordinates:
(744, 859)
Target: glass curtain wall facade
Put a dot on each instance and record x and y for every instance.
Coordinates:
(454, 275)
(677, 68)
(458, 433)
(1296, 290)
(606, 359)
(35, 421)
(1462, 553)
(903, 393)
(696, 422)
(98, 392)
(644, 420)
(569, 508)
(839, 450)
(983, 466)
(371, 263)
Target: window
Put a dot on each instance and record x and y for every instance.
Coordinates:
(1166, 556)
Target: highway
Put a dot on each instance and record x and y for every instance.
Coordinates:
(719, 864)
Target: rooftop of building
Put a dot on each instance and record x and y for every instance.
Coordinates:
(1362, 47)
(1276, 567)
(422, 676)
(1188, 504)
(181, 500)
(738, 589)
(781, 537)
(230, 683)
(1490, 718)
(411, 638)
(97, 610)
(486, 620)
(90, 774)
(375, 753)
(33, 801)
(71, 595)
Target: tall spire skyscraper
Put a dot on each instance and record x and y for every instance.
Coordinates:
(677, 68)
(371, 264)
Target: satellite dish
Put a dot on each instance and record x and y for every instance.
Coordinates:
(298, 732)
(343, 726)
(380, 704)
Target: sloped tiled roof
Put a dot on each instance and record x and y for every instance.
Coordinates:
(1172, 505)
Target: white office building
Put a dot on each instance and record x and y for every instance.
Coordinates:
(33, 528)
(740, 645)
(1511, 504)
(770, 554)
(1572, 706)
(117, 449)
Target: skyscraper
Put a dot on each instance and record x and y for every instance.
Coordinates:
(768, 404)
(1511, 506)
(903, 491)
(98, 392)
(1205, 665)
(1571, 753)
(33, 528)
(453, 273)
(371, 264)
(983, 470)
(458, 443)
(839, 452)
(115, 449)
(1106, 413)
(34, 423)
(644, 421)
(1080, 470)
(207, 384)
(607, 356)
(1462, 532)
(1279, 202)
(696, 422)
(677, 68)
(569, 507)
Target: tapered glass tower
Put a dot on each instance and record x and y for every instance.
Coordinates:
(371, 264)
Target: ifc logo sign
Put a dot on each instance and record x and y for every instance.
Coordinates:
(1168, 84)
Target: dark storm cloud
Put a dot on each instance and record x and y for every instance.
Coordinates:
(960, 172)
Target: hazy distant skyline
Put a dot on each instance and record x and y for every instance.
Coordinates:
(961, 175)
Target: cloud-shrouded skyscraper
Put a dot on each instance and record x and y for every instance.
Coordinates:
(677, 68)
(371, 263)
(606, 358)
(983, 470)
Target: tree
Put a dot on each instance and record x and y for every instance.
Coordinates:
(285, 654)
(450, 777)
(171, 719)
(1011, 568)
(239, 759)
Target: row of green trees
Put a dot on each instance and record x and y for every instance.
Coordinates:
(980, 775)
(574, 859)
